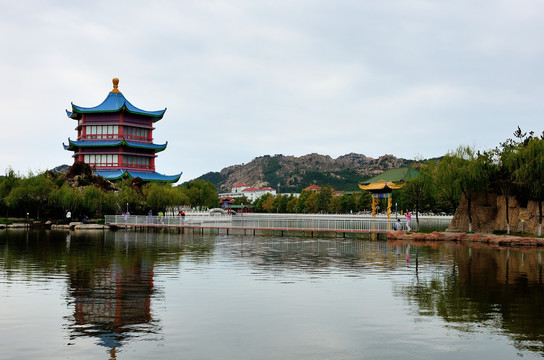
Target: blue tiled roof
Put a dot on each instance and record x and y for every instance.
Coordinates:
(110, 143)
(110, 174)
(153, 176)
(114, 102)
(144, 175)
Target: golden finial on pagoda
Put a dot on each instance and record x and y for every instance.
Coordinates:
(115, 85)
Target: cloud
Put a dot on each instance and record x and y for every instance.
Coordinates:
(242, 79)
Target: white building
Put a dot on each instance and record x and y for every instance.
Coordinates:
(239, 190)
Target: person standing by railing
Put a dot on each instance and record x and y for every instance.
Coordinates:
(408, 220)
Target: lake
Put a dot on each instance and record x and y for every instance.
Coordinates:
(166, 295)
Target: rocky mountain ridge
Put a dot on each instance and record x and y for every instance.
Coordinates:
(292, 174)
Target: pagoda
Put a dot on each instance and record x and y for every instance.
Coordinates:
(115, 139)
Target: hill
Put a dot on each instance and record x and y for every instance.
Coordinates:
(295, 173)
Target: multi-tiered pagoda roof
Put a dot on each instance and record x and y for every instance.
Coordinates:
(115, 139)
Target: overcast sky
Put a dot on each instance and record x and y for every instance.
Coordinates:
(245, 78)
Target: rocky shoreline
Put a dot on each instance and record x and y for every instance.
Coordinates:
(70, 226)
(501, 240)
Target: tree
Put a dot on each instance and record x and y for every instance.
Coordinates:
(201, 193)
(471, 175)
(445, 180)
(97, 202)
(67, 199)
(301, 203)
(130, 197)
(258, 203)
(158, 196)
(530, 172)
(7, 183)
(324, 197)
(364, 201)
(418, 189)
(292, 204)
(504, 172)
(334, 205)
(347, 203)
(39, 187)
(311, 203)
(268, 204)
(279, 204)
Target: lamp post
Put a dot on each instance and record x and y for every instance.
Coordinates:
(396, 212)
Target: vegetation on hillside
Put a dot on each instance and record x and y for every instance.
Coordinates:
(292, 174)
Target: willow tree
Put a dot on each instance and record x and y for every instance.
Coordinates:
(7, 183)
(469, 173)
(445, 181)
(505, 168)
(418, 189)
(160, 196)
(67, 198)
(530, 172)
(97, 202)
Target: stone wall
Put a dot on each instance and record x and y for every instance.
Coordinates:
(489, 214)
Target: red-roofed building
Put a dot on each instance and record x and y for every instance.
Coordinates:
(238, 188)
(250, 189)
(313, 188)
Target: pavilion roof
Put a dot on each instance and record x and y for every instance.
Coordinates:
(113, 143)
(144, 175)
(114, 102)
(380, 185)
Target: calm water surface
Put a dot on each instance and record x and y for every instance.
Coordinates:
(127, 295)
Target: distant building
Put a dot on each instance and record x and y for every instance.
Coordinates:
(115, 138)
(313, 188)
(239, 190)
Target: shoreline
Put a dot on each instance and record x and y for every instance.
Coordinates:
(500, 240)
(435, 236)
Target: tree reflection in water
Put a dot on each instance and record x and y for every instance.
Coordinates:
(499, 288)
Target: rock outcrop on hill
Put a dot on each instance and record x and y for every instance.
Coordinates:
(292, 173)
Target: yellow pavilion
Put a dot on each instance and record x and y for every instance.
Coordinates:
(381, 189)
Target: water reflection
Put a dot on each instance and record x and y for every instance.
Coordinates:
(115, 285)
(498, 288)
(111, 296)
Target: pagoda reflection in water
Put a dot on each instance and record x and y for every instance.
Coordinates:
(112, 299)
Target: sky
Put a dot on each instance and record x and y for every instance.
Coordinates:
(246, 78)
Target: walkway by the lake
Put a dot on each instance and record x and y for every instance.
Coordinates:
(277, 222)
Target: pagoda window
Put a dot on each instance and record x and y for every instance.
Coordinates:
(134, 133)
(102, 160)
(134, 161)
(102, 132)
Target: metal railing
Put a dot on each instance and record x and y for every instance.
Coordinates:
(287, 222)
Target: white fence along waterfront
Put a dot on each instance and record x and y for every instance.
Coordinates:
(283, 222)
